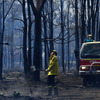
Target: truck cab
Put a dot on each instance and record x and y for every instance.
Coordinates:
(89, 67)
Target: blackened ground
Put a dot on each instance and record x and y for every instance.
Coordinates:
(69, 86)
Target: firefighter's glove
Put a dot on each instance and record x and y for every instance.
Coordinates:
(46, 70)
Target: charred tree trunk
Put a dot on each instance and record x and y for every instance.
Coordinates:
(83, 21)
(76, 36)
(62, 31)
(37, 46)
(26, 70)
(97, 22)
(12, 36)
(29, 37)
(1, 45)
(37, 42)
(51, 27)
(89, 17)
(45, 41)
(94, 16)
(68, 49)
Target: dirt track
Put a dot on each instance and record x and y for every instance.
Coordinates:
(70, 88)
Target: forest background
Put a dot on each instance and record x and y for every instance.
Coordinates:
(31, 29)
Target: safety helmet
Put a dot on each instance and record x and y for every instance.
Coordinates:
(55, 51)
(90, 35)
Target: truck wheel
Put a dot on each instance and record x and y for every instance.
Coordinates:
(84, 81)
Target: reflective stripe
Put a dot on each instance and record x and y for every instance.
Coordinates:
(55, 86)
(49, 86)
(92, 59)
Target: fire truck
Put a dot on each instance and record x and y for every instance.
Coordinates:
(89, 67)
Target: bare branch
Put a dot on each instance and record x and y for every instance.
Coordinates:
(18, 19)
(32, 6)
(9, 9)
(20, 2)
(19, 30)
(42, 5)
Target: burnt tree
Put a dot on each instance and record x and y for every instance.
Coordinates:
(37, 43)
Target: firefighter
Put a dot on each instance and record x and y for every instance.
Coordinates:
(52, 73)
(90, 38)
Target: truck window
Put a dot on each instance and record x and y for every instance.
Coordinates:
(91, 51)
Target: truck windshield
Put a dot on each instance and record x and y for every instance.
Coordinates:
(91, 51)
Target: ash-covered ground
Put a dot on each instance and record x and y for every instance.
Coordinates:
(69, 86)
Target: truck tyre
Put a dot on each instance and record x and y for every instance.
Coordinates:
(84, 81)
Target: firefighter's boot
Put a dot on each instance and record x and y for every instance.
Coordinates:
(55, 91)
(50, 91)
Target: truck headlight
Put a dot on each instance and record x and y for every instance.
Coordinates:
(84, 67)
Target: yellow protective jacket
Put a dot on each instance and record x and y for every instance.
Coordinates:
(53, 65)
